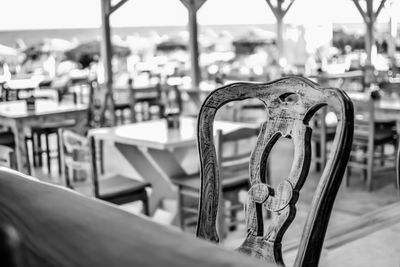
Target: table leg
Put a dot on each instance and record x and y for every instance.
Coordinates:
(162, 188)
(21, 151)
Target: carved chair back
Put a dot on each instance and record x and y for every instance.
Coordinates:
(290, 104)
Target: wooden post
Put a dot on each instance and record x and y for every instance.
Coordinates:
(369, 16)
(106, 53)
(279, 12)
(393, 32)
(193, 6)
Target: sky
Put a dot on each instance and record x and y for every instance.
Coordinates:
(54, 14)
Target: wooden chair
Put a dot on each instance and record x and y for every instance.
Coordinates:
(79, 157)
(148, 97)
(323, 133)
(7, 157)
(371, 135)
(289, 119)
(233, 161)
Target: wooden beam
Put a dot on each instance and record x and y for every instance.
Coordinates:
(106, 55)
(279, 12)
(362, 12)
(117, 5)
(288, 7)
(193, 6)
(381, 5)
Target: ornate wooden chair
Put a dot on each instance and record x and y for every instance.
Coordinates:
(290, 104)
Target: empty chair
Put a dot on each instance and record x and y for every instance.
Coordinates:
(286, 117)
(372, 134)
(324, 129)
(7, 157)
(233, 157)
(79, 158)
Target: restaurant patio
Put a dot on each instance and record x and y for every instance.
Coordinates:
(274, 136)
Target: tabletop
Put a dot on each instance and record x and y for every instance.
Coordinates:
(22, 84)
(384, 103)
(18, 109)
(58, 227)
(156, 134)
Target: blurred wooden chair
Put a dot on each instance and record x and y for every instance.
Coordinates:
(371, 135)
(233, 156)
(290, 104)
(324, 129)
(7, 157)
(147, 100)
(80, 160)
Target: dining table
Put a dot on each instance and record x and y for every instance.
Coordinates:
(159, 153)
(386, 106)
(16, 86)
(45, 225)
(16, 116)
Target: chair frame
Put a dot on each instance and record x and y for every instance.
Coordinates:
(287, 120)
(370, 144)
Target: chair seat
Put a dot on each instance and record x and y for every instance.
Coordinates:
(330, 134)
(7, 138)
(381, 136)
(114, 186)
(53, 126)
(230, 182)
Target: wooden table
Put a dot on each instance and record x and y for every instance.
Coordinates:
(16, 86)
(60, 228)
(385, 106)
(158, 153)
(14, 114)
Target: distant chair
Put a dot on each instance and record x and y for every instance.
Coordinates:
(80, 172)
(290, 104)
(323, 134)
(7, 157)
(233, 156)
(147, 100)
(371, 135)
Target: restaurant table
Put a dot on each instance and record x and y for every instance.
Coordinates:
(14, 114)
(18, 85)
(386, 106)
(158, 153)
(58, 227)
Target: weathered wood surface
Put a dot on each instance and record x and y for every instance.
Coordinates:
(58, 228)
(290, 104)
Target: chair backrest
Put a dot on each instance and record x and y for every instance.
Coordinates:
(150, 94)
(364, 117)
(98, 96)
(238, 155)
(7, 157)
(290, 104)
(74, 155)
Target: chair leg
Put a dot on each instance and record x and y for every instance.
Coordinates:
(39, 146)
(180, 209)
(382, 154)
(369, 174)
(58, 154)
(48, 153)
(318, 156)
(145, 202)
(28, 163)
